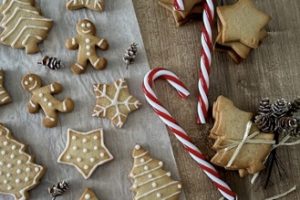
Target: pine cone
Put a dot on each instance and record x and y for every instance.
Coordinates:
(130, 54)
(287, 125)
(264, 106)
(296, 105)
(265, 123)
(280, 108)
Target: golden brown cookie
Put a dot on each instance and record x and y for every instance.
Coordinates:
(18, 172)
(86, 42)
(23, 25)
(150, 181)
(113, 101)
(230, 126)
(4, 96)
(42, 97)
(85, 151)
(242, 22)
(88, 194)
(97, 5)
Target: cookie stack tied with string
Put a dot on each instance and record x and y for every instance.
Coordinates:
(241, 28)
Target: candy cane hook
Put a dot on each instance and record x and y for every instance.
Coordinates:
(179, 133)
(179, 4)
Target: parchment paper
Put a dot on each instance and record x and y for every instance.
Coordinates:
(110, 181)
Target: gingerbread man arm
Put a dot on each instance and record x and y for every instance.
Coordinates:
(53, 88)
(72, 43)
(102, 44)
(32, 106)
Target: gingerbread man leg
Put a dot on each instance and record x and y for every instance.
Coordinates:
(50, 120)
(80, 66)
(97, 62)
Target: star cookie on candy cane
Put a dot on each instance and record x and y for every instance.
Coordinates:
(97, 5)
(85, 151)
(88, 194)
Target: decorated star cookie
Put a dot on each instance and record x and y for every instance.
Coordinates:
(150, 181)
(85, 151)
(4, 96)
(114, 102)
(87, 42)
(242, 22)
(18, 172)
(23, 26)
(97, 5)
(42, 97)
(88, 194)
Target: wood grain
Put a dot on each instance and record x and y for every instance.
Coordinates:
(271, 71)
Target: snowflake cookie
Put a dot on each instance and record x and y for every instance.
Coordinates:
(114, 102)
(18, 172)
(97, 5)
(85, 151)
(4, 96)
(88, 194)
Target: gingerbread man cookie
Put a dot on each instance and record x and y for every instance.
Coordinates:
(86, 42)
(4, 96)
(97, 5)
(43, 97)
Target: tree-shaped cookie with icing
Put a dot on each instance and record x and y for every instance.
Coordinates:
(4, 96)
(88, 194)
(113, 101)
(229, 130)
(42, 97)
(97, 5)
(23, 25)
(150, 181)
(86, 42)
(85, 151)
(18, 172)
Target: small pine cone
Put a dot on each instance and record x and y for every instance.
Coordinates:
(264, 106)
(287, 125)
(280, 108)
(265, 123)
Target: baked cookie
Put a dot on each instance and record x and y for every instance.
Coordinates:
(228, 132)
(23, 25)
(150, 181)
(97, 5)
(4, 96)
(85, 151)
(242, 22)
(86, 42)
(18, 172)
(113, 101)
(42, 97)
(88, 194)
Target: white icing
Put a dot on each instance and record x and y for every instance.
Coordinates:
(84, 140)
(88, 53)
(19, 162)
(5, 181)
(26, 82)
(146, 172)
(85, 167)
(9, 187)
(74, 137)
(154, 184)
(17, 180)
(95, 137)
(50, 104)
(146, 168)
(143, 162)
(12, 156)
(87, 40)
(68, 157)
(41, 94)
(158, 195)
(79, 159)
(30, 78)
(27, 169)
(84, 150)
(45, 99)
(74, 148)
(5, 143)
(19, 171)
(88, 47)
(73, 41)
(26, 179)
(102, 154)
(87, 196)
(8, 175)
(88, 25)
(95, 148)
(92, 160)
(32, 104)
(36, 169)
(9, 165)
(79, 66)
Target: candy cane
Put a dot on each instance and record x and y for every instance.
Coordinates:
(180, 134)
(179, 4)
(205, 62)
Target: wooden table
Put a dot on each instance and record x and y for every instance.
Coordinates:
(271, 71)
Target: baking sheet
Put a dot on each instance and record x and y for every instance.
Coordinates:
(119, 26)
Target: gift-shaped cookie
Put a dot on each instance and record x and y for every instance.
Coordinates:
(238, 142)
(42, 97)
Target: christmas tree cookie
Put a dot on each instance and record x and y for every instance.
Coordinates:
(4, 96)
(18, 172)
(23, 25)
(88, 194)
(85, 151)
(150, 181)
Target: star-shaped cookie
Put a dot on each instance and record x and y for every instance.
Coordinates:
(4, 96)
(113, 101)
(85, 151)
(242, 22)
(88, 194)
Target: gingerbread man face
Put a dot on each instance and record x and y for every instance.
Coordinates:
(31, 82)
(86, 27)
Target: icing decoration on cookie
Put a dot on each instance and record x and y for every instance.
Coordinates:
(23, 25)
(42, 97)
(18, 172)
(85, 151)
(4, 96)
(86, 42)
(150, 180)
(97, 5)
(113, 101)
(88, 194)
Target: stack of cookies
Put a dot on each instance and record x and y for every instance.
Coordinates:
(228, 132)
(241, 28)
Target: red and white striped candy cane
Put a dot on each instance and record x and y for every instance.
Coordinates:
(179, 4)
(205, 62)
(180, 134)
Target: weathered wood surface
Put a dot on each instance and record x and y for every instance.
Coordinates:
(271, 71)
